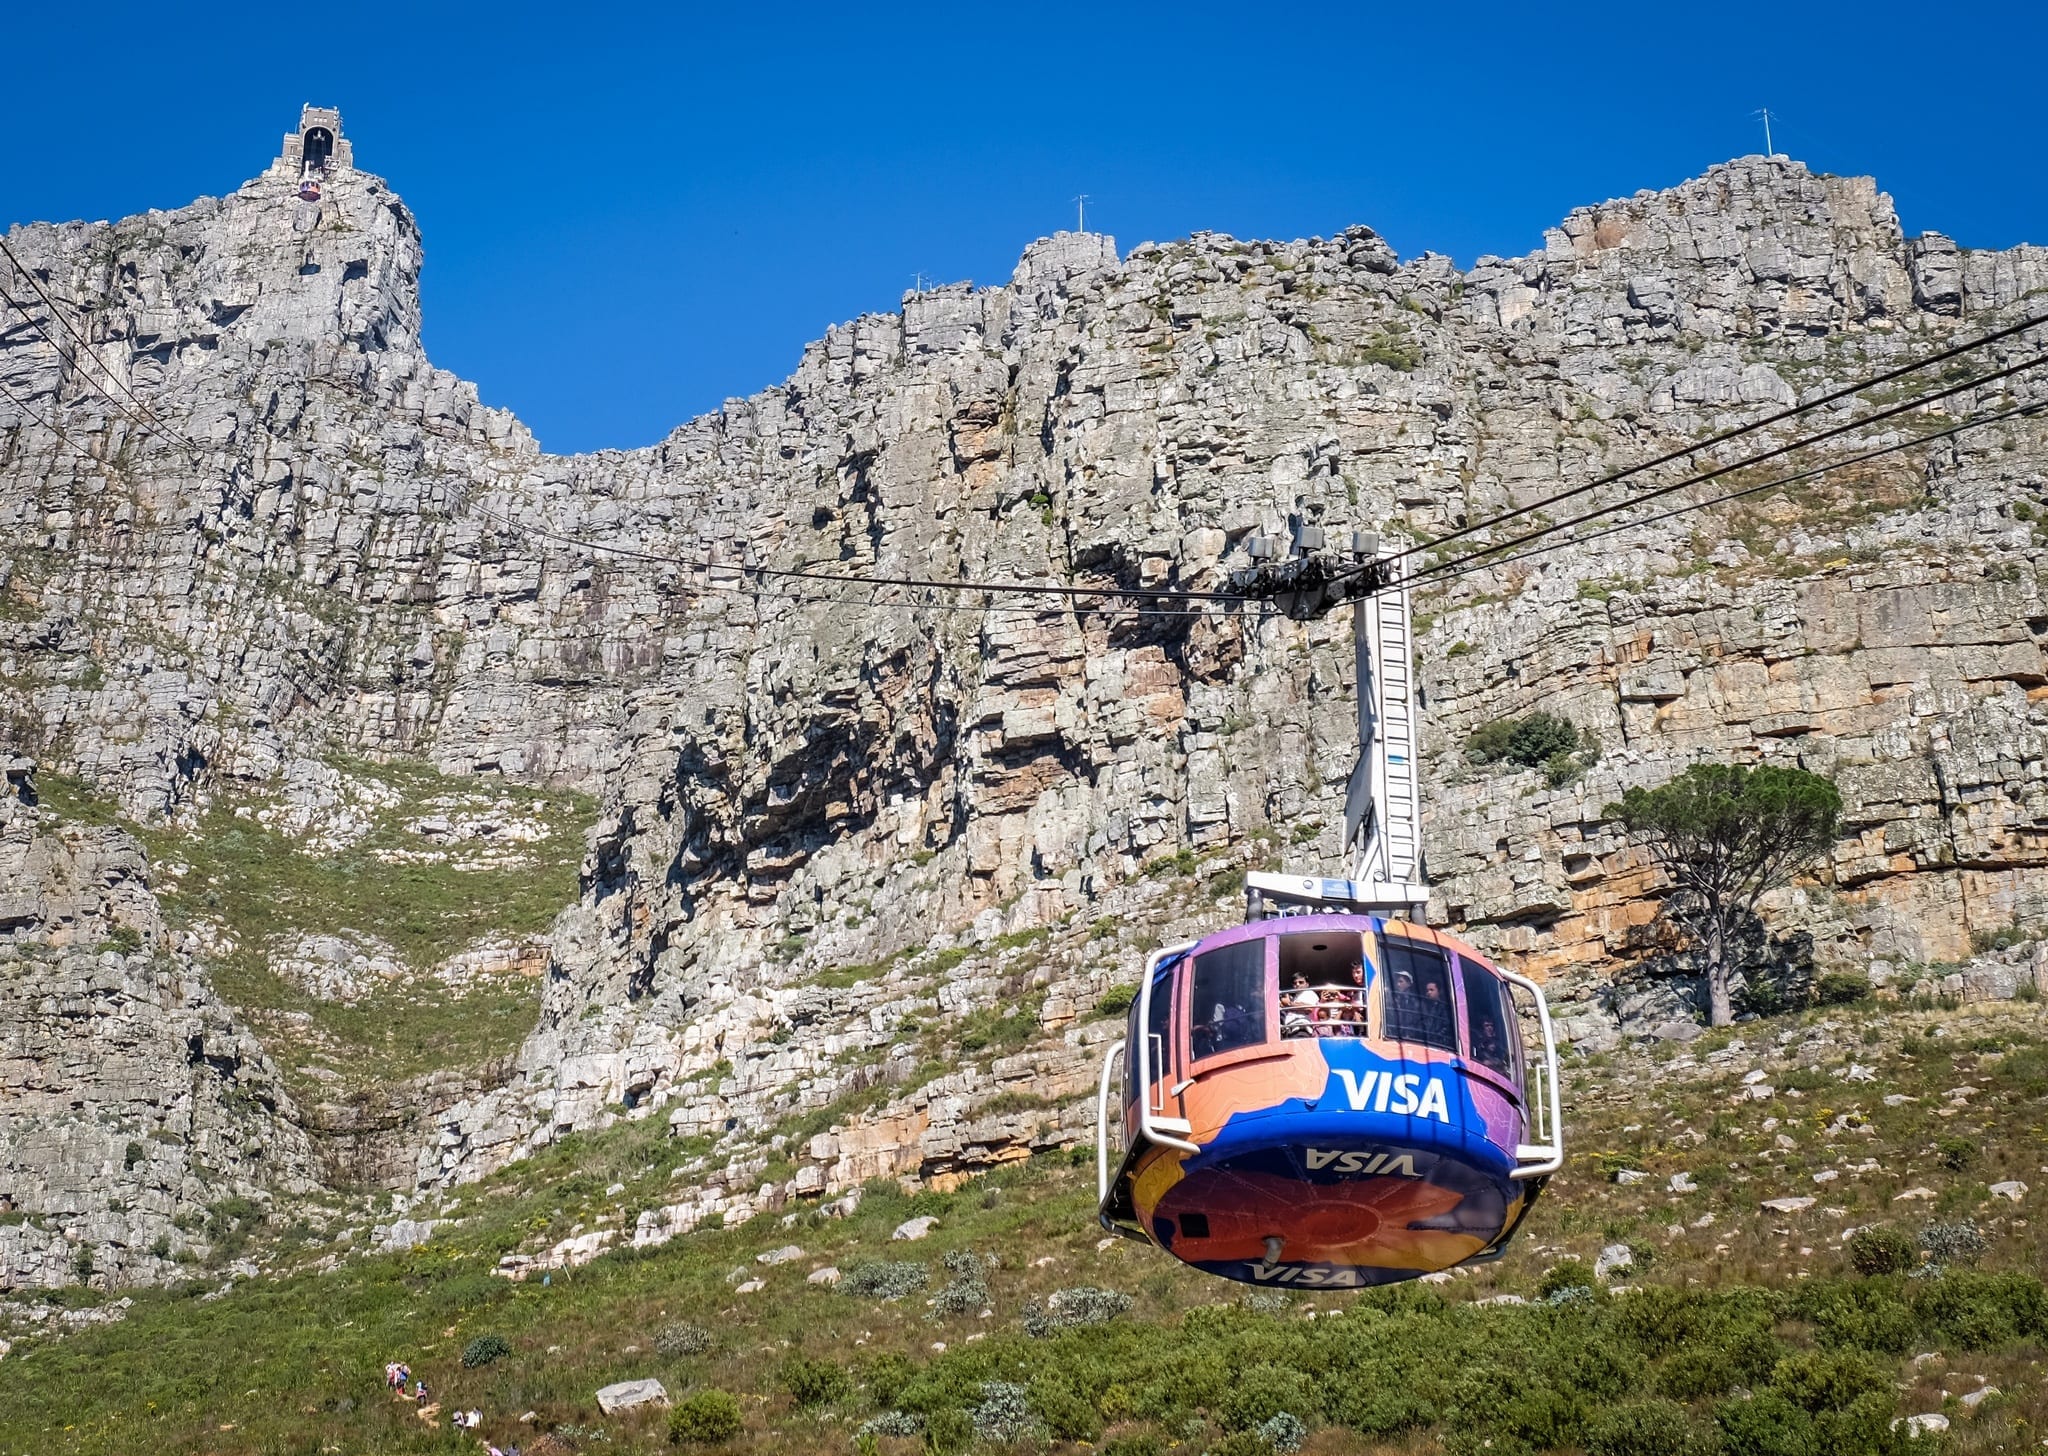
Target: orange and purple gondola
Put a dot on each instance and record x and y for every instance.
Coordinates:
(1330, 1101)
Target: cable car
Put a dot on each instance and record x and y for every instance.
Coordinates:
(1328, 1101)
(1333, 1095)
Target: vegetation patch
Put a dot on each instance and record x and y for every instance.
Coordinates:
(1542, 739)
(253, 889)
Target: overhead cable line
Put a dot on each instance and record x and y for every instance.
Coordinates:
(874, 583)
(1466, 566)
(844, 579)
(1718, 472)
(1832, 397)
(58, 430)
(83, 347)
(1141, 594)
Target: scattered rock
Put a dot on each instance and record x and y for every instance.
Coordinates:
(751, 1286)
(1682, 1183)
(2012, 1190)
(1630, 1176)
(1614, 1259)
(782, 1255)
(913, 1229)
(1977, 1397)
(1789, 1205)
(1917, 1426)
(1914, 1195)
(627, 1394)
(827, 1276)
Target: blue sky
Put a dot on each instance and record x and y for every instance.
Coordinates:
(634, 213)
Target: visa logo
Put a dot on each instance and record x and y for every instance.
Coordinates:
(1407, 1094)
(1390, 1165)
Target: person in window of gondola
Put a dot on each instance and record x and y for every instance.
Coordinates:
(1343, 1010)
(1488, 1045)
(1224, 1028)
(1299, 1017)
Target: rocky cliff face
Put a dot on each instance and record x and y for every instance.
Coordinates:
(137, 1106)
(351, 553)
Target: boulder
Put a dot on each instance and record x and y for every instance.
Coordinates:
(627, 1394)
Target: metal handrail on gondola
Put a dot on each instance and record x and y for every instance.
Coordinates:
(1162, 1130)
(1545, 1156)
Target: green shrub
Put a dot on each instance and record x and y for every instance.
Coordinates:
(1116, 1000)
(1066, 1414)
(1955, 1153)
(947, 1431)
(1528, 741)
(708, 1418)
(1866, 1315)
(1566, 1274)
(1647, 1428)
(1841, 988)
(1262, 1392)
(1136, 1443)
(1827, 1380)
(885, 1278)
(1765, 1425)
(1376, 1410)
(483, 1350)
(1863, 1428)
(1882, 1251)
(1960, 1242)
(1983, 1311)
(679, 1339)
(812, 1383)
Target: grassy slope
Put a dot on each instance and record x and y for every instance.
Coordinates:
(258, 884)
(293, 1364)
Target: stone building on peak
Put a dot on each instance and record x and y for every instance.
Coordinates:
(317, 148)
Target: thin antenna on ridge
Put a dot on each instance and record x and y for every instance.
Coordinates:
(1081, 213)
(1765, 113)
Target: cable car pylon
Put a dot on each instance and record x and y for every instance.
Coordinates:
(1333, 1095)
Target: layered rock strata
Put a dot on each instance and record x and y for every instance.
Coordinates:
(328, 543)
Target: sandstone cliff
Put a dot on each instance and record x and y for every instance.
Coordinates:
(351, 554)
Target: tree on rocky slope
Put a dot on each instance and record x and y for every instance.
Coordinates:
(1725, 834)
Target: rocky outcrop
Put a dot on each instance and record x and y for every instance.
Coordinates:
(801, 774)
(135, 1103)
